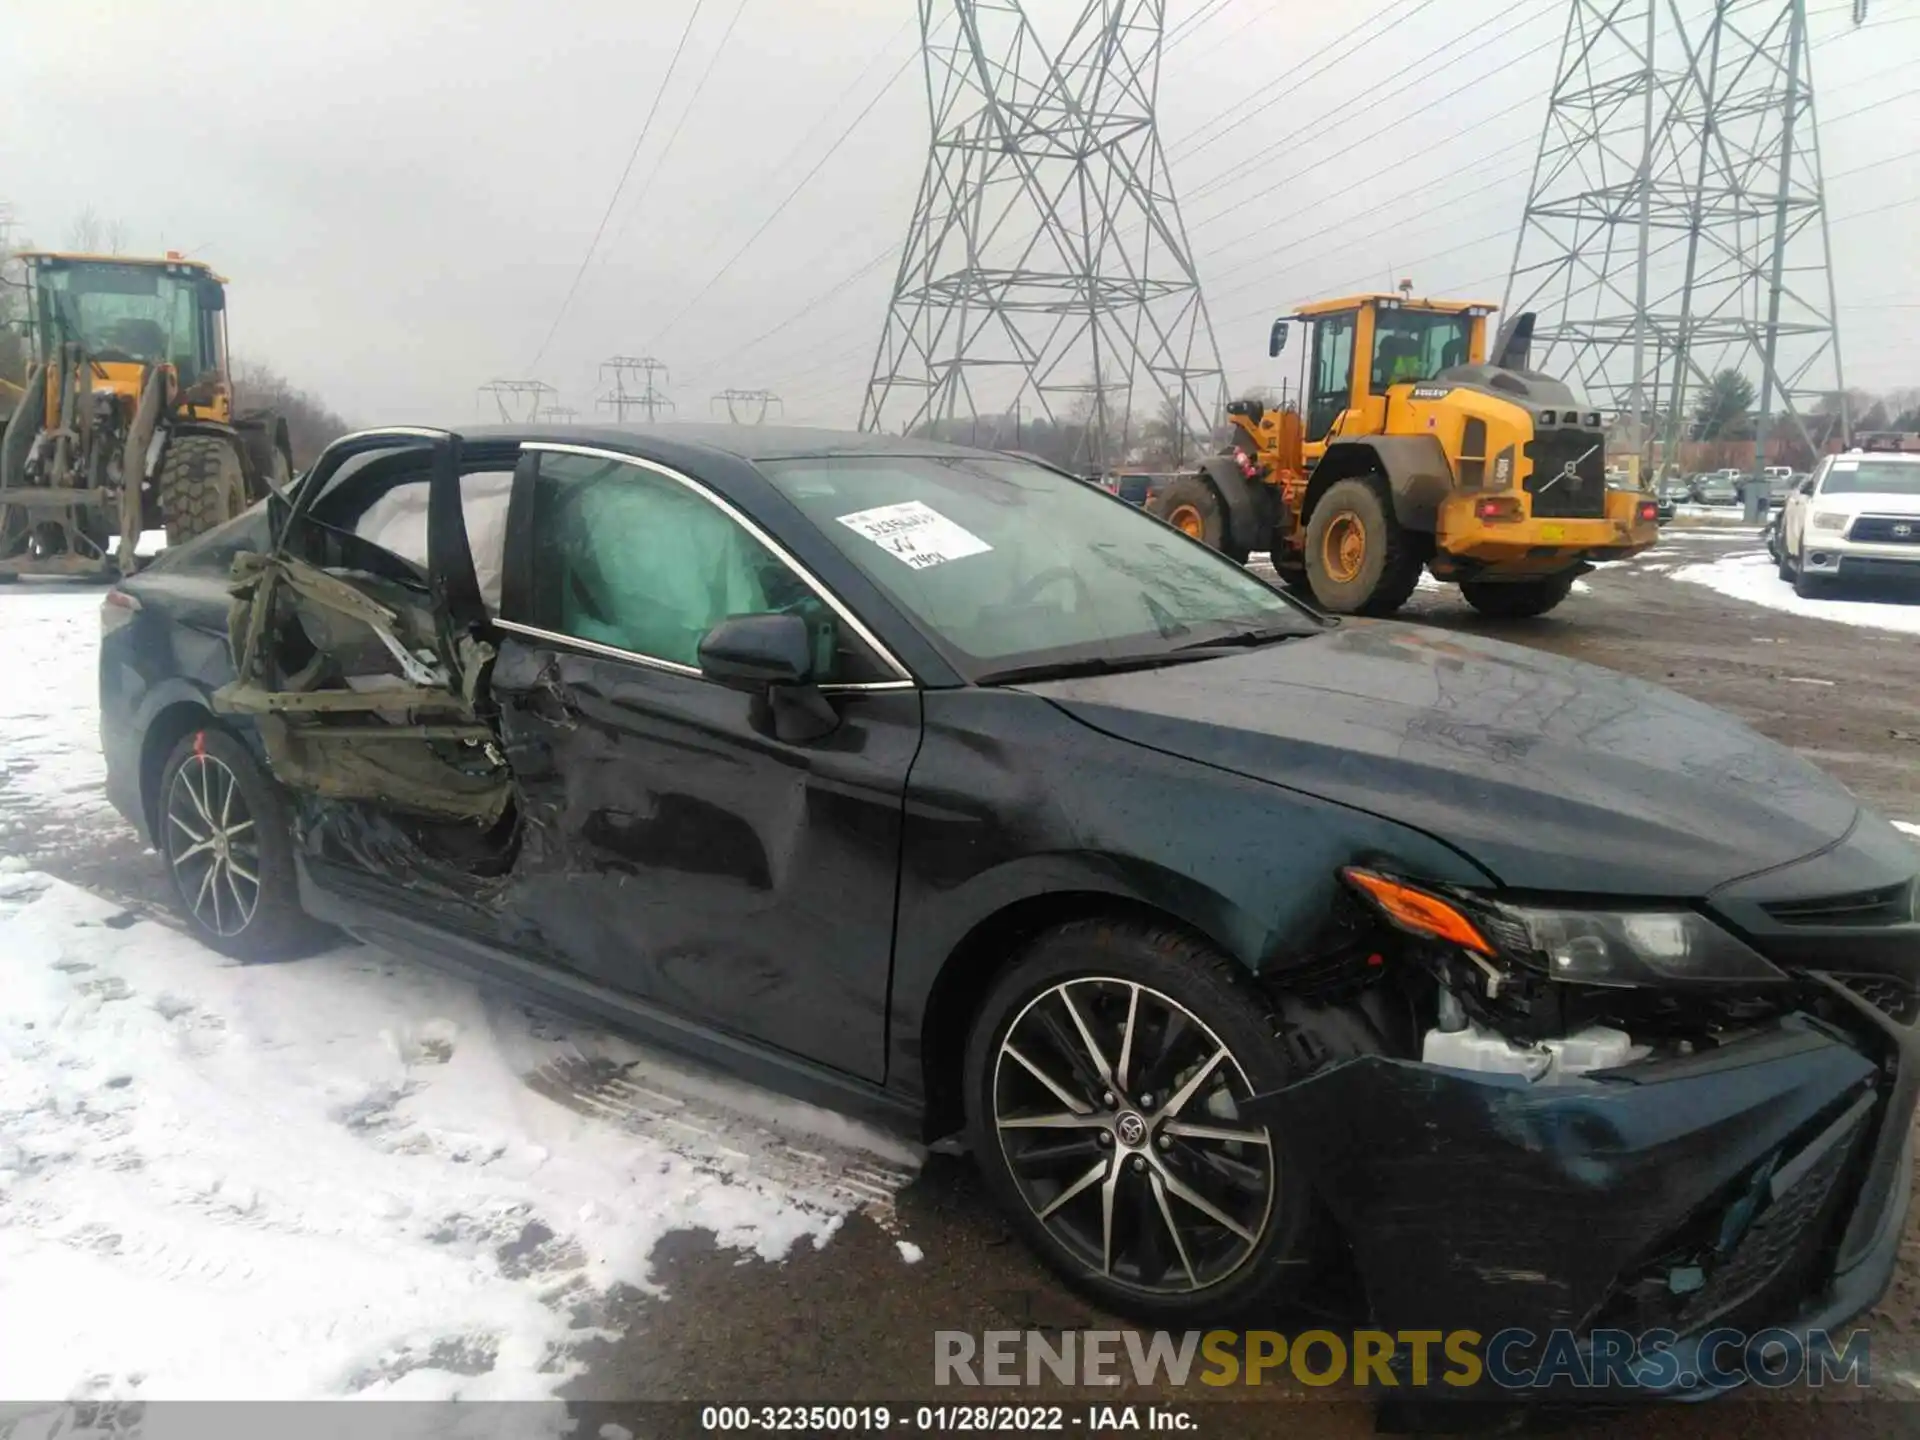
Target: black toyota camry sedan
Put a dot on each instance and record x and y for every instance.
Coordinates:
(1244, 946)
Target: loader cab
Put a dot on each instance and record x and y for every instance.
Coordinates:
(1358, 348)
(128, 314)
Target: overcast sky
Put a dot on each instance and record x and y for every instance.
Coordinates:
(402, 192)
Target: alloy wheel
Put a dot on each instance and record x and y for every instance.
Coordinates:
(212, 844)
(1119, 1114)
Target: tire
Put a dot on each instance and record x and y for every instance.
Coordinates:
(208, 776)
(1215, 1272)
(1782, 566)
(201, 485)
(1192, 506)
(1807, 587)
(1517, 599)
(1296, 582)
(1375, 564)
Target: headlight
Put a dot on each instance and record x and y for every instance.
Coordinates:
(1580, 947)
(1830, 520)
(1638, 947)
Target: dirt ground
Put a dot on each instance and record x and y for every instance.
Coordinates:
(855, 1321)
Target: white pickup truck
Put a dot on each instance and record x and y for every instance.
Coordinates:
(1857, 516)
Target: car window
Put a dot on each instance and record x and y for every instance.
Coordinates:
(1010, 564)
(628, 557)
(397, 522)
(1871, 477)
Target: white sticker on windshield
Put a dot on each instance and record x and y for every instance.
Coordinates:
(1846, 464)
(915, 534)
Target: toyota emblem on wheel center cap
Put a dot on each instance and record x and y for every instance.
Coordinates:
(1131, 1129)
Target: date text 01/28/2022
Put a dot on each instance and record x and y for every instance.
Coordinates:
(947, 1419)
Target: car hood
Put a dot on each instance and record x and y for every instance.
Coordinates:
(1550, 773)
(1871, 502)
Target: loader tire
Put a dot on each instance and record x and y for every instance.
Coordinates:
(1517, 599)
(1192, 506)
(1360, 560)
(201, 485)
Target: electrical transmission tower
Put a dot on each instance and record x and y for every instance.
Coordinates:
(556, 414)
(634, 387)
(1676, 224)
(1046, 267)
(518, 401)
(752, 403)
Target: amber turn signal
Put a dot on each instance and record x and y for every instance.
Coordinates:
(1418, 911)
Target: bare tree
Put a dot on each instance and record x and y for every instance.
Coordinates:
(95, 236)
(311, 424)
(13, 306)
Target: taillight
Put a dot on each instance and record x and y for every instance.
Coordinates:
(117, 608)
(1500, 509)
(1648, 511)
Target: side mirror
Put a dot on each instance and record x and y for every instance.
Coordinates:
(213, 295)
(756, 652)
(1277, 338)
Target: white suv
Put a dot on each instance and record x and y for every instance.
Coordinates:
(1856, 517)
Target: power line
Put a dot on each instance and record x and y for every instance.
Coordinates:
(614, 199)
(1187, 144)
(1194, 21)
(791, 195)
(699, 85)
(1328, 120)
(804, 311)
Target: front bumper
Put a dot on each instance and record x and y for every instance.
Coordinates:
(1827, 554)
(1762, 1184)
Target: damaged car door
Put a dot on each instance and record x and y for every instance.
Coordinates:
(711, 757)
(361, 657)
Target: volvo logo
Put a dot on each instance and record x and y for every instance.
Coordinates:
(1901, 532)
(1131, 1129)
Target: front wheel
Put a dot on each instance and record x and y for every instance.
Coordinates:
(201, 485)
(1107, 1079)
(1360, 561)
(1517, 599)
(223, 832)
(1807, 587)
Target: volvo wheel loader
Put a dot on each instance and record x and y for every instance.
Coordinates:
(126, 421)
(1412, 451)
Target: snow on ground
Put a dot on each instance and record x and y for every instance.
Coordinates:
(49, 734)
(330, 1177)
(1754, 579)
(311, 1179)
(1909, 826)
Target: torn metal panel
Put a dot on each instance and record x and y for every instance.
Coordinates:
(359, 692)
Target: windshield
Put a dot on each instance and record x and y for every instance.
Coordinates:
(1871, 477)
(1410, 346)
(128, 313)
(1010, 566)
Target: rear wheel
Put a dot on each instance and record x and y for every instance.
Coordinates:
(201, 485)
(1360, 561)
(223, 831)
(1107, 1077)
(1517, 599)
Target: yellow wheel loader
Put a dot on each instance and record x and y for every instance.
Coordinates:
(1411, 451)
(126, 421)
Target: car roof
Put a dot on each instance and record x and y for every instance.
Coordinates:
(743, 442)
